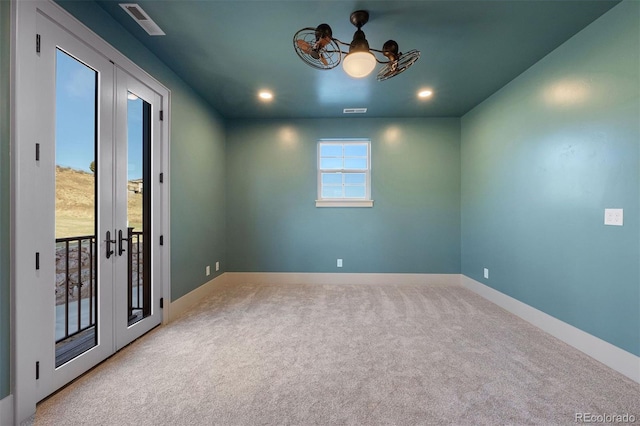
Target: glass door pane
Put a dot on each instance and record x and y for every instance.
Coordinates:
(75, 208)
(137, 288)
(138, 212)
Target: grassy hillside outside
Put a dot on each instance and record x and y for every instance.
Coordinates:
(75, 204)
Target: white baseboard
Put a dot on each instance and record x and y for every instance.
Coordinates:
(612, 356)
(183, 304)
(6, 410)
(340, 278)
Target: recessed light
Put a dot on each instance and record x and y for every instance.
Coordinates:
(425, 93)
(265, 95)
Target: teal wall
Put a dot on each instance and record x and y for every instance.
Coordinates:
(541, 160)
(5, 305)
(274, 226)
(197, 160)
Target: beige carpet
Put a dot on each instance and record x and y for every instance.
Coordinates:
(343, 355)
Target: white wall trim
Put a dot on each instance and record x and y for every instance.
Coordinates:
(612, 356)
(344, 203)
(6, 410)
(340, 278)
(182, 305)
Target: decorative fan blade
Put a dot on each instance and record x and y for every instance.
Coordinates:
(308, 49)
(320, 44)
(316, 47)
(304, 46)
(395, 67)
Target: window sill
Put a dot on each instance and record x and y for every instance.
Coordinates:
(344, 203)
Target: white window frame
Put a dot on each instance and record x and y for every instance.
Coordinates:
(344, 202)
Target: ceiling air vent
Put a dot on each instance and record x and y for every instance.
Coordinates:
(141, 17)
(354, 110)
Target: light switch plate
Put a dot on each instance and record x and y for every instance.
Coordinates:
(486, 273)
(613, 217)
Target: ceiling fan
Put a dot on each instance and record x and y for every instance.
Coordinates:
(319, 49)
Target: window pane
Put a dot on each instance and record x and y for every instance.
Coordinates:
(138, 173)
(359, 150)
(75, 147)
(342, 157)
(331, 163)
(354, 191)
(332, 178)
(75, 209)
(332, 192)
(355, 163)
(354, 178)
(330, 150)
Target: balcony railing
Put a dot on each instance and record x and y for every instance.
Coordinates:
(76, 291)
(136, 285)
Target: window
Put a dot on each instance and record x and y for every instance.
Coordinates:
(344, 173)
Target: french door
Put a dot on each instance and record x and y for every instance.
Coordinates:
(137, 293)
(99, 133)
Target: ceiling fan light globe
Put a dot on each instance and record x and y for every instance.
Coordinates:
(359, 64)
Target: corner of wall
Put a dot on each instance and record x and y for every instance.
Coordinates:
(184, 304)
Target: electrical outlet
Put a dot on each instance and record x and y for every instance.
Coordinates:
(613, 217)
(208, 270)
(217, 266)
(339, 263)
(486, 273)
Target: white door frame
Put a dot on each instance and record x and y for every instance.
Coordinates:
(40, 217)
(25, 279)
(124, 333)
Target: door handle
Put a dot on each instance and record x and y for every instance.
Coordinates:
(120, 240)
(109, 241)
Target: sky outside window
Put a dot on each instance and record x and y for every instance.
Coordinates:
(76, 109)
